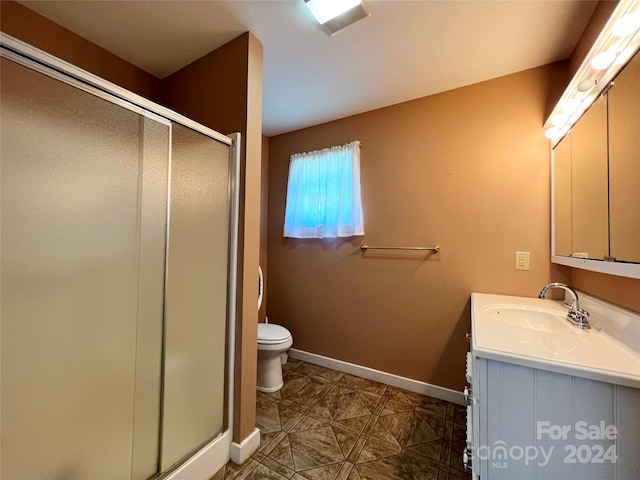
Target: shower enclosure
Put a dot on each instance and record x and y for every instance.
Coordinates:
(117, 283)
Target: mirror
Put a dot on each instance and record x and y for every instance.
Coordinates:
(624, 164)
(596, 183)
(562, 197)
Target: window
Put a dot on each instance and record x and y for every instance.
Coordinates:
(323, 194)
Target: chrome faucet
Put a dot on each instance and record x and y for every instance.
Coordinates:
(576, 315)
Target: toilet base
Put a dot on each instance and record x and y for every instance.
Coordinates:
(269, 371)
(269, 390)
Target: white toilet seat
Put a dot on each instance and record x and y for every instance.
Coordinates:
(272, 334)
(280, 346)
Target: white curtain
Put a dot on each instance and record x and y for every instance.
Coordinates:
(323, 194)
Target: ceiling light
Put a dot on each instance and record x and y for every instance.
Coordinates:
(627, 25)
(335, 15)
(325, 10)
(603, 60)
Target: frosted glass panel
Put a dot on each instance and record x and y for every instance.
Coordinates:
(153, 221)
(196, 301)
(71, 278)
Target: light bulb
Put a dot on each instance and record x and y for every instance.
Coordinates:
(552, 133)
(586, 85)
(603, 60)
(576, 116)
(559, 120)
(624, 56)
(571, 106)
(627, 25)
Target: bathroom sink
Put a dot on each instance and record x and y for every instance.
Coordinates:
(534, 325)
(534, 332)
(530, 318)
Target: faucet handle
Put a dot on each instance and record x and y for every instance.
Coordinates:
(578, 313)
(579, 318)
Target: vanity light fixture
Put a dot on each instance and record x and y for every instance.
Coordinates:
(334, 15)
(616, 44)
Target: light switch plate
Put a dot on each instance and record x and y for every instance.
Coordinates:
(522, 260)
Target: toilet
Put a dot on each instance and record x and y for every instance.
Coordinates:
(273, 343)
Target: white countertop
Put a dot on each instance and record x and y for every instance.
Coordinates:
(609, 352)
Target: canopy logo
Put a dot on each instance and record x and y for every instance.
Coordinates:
(581, 445)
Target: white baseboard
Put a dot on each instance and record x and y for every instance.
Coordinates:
(239, 452)
(423, 388)
(204, 464)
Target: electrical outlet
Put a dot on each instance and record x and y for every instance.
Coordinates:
(522, 260)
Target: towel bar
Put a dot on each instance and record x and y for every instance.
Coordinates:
(435, 248)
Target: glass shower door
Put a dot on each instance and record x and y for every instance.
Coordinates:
(115, 271)
(194, 409)
(83, 185)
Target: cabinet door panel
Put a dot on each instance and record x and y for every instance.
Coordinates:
(627, 408)
(593, 403)
(514, 426)
(555, 409)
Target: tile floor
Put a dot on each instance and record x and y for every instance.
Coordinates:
(328, 425)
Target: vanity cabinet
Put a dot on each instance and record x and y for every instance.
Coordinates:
(547, 400)
(527, 423)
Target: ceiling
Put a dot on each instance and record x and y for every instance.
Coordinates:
(405, 50)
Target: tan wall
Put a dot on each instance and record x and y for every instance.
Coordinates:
(618, 290)
(222, 90)
(466, 169)
(247, 358)
(213, 89)
(26, 25)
